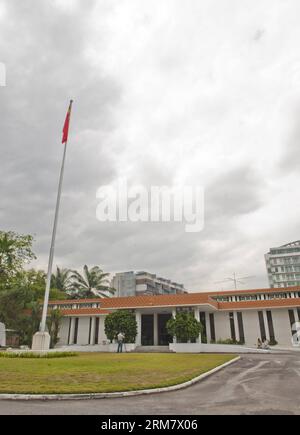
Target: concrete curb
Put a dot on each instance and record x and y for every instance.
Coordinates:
(93, 396)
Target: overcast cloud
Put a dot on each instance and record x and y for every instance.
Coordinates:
(202, 92)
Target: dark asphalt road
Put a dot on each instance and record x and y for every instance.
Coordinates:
(257, 384)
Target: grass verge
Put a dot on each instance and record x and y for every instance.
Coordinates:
(102, 373)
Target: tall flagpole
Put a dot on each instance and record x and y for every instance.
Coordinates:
(51, 256)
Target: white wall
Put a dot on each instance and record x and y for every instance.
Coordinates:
(222, 326)
(102, 336)
(282, 327)
(251, 327)
(83, 331)
(64, 331)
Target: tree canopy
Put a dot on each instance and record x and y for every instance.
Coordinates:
(121, 321)
(22, 291)
(92, 283)
(184, 327)
(15, 252)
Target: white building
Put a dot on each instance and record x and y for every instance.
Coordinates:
(242, 316)
(283, 265)
(144, 283)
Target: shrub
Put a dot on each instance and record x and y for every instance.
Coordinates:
(184, 327)
(30, 355)
(121, 321)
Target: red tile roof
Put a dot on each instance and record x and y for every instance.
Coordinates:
(248, 305)
(189, 299)
(160, 301)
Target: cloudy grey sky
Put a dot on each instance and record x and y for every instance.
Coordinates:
(201, 92)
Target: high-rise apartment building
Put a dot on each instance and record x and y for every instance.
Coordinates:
(144, 283)
(283, 265)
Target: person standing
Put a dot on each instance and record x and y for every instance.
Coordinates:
(120, 338)
(259, 343)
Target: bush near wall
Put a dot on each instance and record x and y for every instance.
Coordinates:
(184, 327)
(121, 321)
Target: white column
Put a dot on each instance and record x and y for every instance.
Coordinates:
(174, 312)
(155, 329)
(208, 334)
(72, 330)
(236, 326)
(93, 327)
(266, 325)
(138, 340)
(102, 336)
(197, 317)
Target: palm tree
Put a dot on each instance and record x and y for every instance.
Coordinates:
(7, 248)
(91, 283)
(54, 323)
(61, 280)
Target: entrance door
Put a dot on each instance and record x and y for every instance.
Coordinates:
(164, 339)
(147, 330)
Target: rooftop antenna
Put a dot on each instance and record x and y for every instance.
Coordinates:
(236, 280)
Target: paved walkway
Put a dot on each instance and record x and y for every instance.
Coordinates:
(257, 384)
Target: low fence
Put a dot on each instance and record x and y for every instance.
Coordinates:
(212, 348)
(108, 348)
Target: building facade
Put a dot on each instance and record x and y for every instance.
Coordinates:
(242, 316)
(144, 283)
(283, 265)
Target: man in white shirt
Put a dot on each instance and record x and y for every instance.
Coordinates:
(120, 338)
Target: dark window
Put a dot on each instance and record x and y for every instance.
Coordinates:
(298, 314)
(262, 325)
(76, 330)
(232, 327)
(97, 331)
(271, 326)
(69, 334)
(90, 330)
(203, 323)
(164, 339)
(148, 330)
(241, 327)
(292, 321)
(212, 327)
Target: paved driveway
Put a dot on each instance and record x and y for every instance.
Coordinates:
(258, 384)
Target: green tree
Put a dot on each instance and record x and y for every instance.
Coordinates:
(54, 323)
(12, 305)
(15, 252)
(21, 303)
(61, 280)
(184, 327)
(31, 322)
(92, 283)
(121, 321)
(34, 282)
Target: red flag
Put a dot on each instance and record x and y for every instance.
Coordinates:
(67, 124)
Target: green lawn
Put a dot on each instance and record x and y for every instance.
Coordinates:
(99, 373)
